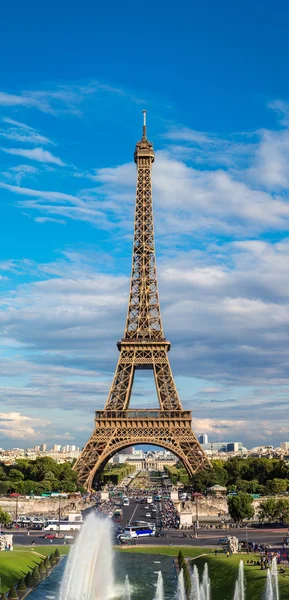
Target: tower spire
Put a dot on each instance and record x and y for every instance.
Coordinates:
(144, 129)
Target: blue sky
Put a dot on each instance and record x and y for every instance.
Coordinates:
(74, 80)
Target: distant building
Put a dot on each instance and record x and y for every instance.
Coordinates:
(284, 446)
(234, 446)
(203, 439)
(223, 447)
(43, 448)
(56, 447)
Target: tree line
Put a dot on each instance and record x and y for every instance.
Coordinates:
(251, 475)
(37, 476)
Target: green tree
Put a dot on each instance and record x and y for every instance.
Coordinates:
(16, 475)
(21, 587)
(5, 518)
(284, 510)
(269, 510)
(240, 507)
(29, 579)
(277, 486)
(12, 595)
(35, 574)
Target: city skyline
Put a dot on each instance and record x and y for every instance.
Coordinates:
(220, 192)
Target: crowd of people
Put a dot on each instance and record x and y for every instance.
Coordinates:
(170, 516)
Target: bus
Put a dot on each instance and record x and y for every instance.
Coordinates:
(63, 526)
(137, 531)
(118, 514)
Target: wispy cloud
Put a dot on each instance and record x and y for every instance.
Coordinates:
(49, 220)
(20, 132)
(64, 99)
(38, 154)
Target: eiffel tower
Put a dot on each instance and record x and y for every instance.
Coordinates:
(143, 346)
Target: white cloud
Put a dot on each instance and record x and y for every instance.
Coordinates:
(17, 426)
(38, 154)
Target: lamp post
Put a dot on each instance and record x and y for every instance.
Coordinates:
(16, 509)
(59, 513)
(197, 512)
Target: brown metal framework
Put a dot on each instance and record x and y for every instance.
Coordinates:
(142, 347)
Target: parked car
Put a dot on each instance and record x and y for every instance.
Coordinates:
(50, 536)
(223, 541)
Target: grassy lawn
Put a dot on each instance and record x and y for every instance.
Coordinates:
(223, 571)
(166, 550)
(16, 564)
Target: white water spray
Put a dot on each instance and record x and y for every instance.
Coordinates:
(274, 575)
(159, 588)
(240, 583)
(181, 594)
(195, 592)
(89, 571)
(127, 589)
(269, 587)
(205, 589)
(200, 590)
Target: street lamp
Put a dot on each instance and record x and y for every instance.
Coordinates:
(197, 512)
(59, 513)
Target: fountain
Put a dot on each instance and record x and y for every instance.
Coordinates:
(205, 589)
(89, 570)
(272, 586)
(240, 583)
(200, 591)
(127, 589)
(160, 587)
(274, 575)
(195, 593)
(89, 573)
(181, 593)
(269, 587)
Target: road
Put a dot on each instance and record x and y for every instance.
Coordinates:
(137, 512)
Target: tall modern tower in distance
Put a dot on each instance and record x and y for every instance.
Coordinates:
(203, 439)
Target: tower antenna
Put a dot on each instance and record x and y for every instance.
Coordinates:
(144, 129)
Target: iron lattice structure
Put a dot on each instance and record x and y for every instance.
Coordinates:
(142, 347)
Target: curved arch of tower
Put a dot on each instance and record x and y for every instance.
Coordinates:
(143, 347)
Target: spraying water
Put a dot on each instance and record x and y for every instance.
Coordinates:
(240, 583)
(274, 577)
(269, 587)
(127, 589)
(195, 592)
(181, 594)
(160, 587)
(205, 589)
(89, 571)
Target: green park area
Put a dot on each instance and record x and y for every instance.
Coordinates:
(17, 564)
(223, 571)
